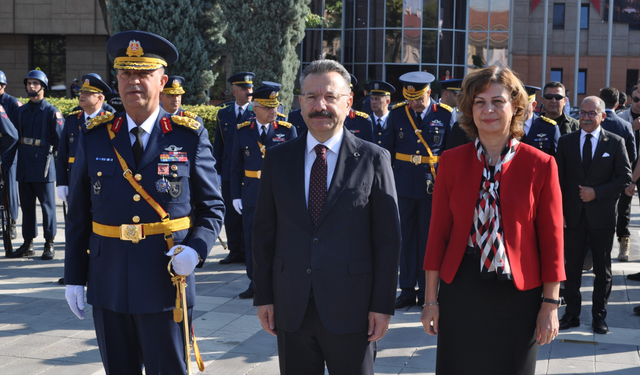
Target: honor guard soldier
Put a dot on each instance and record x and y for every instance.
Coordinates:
(540, 132)
(92, 95)
(228, 118)
(10, 105)
(254, 137)
(171, 99)
(39, 125)
(380, 98)
(358, 123)
(418, 130)
(449, 90)
(145, 192)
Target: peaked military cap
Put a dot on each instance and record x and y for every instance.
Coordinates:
(383, 88)
(140, 50)
(531, 92)
(415, 84)
(266, 96)
(354, 81)
(174, 86)
(93, 83)
(269, 83)
(451, 84)
(243, 79)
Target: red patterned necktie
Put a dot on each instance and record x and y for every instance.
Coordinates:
(318, 183)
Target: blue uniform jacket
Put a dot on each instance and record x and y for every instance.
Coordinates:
(8, 132)
(9, 103)
(120, 275)
(411, 179)
(295, 119)
(226, 127)
(44, 123)
(543, 135)
(247, 156)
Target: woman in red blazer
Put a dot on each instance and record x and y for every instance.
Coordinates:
(494, 258)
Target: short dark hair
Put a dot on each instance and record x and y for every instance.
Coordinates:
(609, 96)
(554, 84)
(634, 88)
(622, 99)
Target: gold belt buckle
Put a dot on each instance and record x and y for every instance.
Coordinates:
(131, 232)
(416, 159)
(28, 141)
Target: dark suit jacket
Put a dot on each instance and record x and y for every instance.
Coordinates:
(350, 259)
(608, 176)
(620, 127)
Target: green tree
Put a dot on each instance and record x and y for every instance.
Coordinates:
(193, 26)
(262, 37)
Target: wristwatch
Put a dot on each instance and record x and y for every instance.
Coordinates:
(554, 301)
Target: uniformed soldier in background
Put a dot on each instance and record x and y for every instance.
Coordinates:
(380, 98)
(449, 90)
(171, 99)
(39, 125)
(416, 139)
(554, 100)
(10, 105)
(229, 117)
(91, 100)
(358, 123)
(114, 99)
(254, 137)
(144, 183)
(540, 132)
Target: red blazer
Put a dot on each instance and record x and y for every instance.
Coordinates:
(531, 206)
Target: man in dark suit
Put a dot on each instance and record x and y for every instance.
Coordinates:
(593, 168)
(326, 237)
(622, 128)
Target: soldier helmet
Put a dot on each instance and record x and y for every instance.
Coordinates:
(3, 78)
(39, 75)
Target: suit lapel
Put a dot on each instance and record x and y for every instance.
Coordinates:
(122, 143)
(603, 142)
(576, 150)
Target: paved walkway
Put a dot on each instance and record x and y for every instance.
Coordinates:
(40, 335)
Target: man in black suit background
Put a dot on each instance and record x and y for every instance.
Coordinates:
(593, 168)
(326, 237)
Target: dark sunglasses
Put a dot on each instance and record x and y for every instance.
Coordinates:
(636, 99)
(552, 96)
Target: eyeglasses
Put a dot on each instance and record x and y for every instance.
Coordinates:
(591, 114)
(328, 97)
(635, 99)
(557, 97)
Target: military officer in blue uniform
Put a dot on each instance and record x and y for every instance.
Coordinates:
(254, 137)
(171, 99)
(92, 104)
(449, 90)
(280, 110)
(229, 116)
(380, 94)
(10, 105)
(418, 132)
(39, 125)
(540, 132)
(145, 191)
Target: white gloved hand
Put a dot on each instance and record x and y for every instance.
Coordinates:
(63, 192)
(185, 262)
(75, 298)
(237, 204)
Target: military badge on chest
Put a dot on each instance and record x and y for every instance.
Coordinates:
(97, 187)
(436, 128)
(168, 171)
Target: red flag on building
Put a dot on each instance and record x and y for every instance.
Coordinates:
(534, 4)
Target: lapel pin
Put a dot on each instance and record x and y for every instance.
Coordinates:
(356, 154)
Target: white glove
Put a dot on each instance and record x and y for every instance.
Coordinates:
(185, 262)
(237, 204)
(63, 192)
(75, 298)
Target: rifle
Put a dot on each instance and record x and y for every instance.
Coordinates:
(5, 207)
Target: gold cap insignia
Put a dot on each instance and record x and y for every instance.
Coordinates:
(247, 78)
(86, 82)
(175, 84)
(410, 89)
(273, 95)
(134, 49)
(376, 86)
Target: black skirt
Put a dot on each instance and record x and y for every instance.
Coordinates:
(486, 326)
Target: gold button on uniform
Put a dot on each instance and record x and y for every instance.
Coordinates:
(136, 219)
(99, 173)
(175, 175)
(418, 152)
(136, 197)
(88, 251)
(138, 177)
(418, 141)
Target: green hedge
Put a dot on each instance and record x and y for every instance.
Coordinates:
(207, 112)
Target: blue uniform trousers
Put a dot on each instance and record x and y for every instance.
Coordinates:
(232, 222)
(248, 213)
(128, 340)
(415, 219)
(45, 192)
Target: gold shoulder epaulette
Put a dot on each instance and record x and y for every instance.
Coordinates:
(550, 121)
(190, 115)
(75, 112)
(448, 108)
(186, 121)
(401, 104)
(285, 124)
(99, 120)
(362, 114)
(246, 123)
(281, 115)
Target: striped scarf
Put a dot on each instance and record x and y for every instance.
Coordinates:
(486, 232)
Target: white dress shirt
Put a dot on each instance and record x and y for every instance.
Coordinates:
(266, 127)
(527, 125)
(594, 140)
(147, 126)
(333, 149)
(244, 107)
(383, 121)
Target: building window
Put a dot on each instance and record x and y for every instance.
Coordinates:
(584, 17)
(49, 54)
(558, 16)
(632, 79)
(556, 75)
(582, 81)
